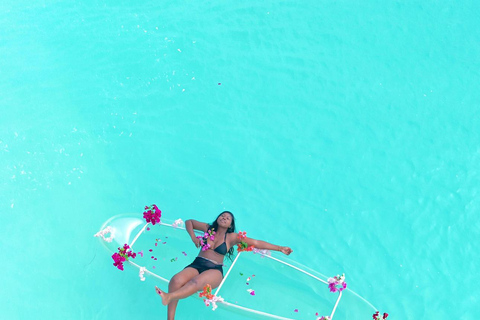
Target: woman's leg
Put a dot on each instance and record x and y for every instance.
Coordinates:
(212, 277)
(176, 283)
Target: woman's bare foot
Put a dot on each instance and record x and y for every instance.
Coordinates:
(164, 295)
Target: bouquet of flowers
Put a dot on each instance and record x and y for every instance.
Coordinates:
(177, 223)
(243, 246)
(207, 292)
(207, 235)
(105, 231)
(122, 255)
(152, 214)
(337, 283)
(209, 297)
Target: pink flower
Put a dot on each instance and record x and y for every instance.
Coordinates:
(332, 287)
(122, 255)
(152, 214)
(385, 315)
(337, 283)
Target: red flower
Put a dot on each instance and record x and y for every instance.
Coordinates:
(242, 235)
(207, 292)
(243, 246)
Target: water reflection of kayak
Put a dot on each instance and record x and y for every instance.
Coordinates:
(259, 283)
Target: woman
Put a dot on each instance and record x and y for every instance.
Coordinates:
(207, 267)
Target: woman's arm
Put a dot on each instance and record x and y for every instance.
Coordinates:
(191, 225)
(259, 244)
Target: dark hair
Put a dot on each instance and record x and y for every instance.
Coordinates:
(214, 226)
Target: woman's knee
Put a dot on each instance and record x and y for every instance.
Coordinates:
(177, 281)
(193, 282)
(211, 277)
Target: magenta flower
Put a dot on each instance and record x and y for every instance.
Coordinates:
(152, 214)
(122, 255)
(332, 287)
(337, 283)
(207, 235)
(376, 316)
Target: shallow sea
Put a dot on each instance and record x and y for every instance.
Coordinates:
(348, 131)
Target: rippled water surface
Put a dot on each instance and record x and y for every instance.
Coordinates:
(347, 131)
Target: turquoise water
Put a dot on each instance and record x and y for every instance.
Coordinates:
(348, 132)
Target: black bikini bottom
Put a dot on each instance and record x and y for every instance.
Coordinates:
(202, 265)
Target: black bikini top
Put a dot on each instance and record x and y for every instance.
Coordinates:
(222, 249)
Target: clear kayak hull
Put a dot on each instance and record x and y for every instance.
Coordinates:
(260, 285)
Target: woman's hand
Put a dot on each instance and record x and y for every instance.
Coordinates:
(197, 241)
(286, 250)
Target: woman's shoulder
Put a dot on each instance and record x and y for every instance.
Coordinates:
(232, 236)
(198, 225)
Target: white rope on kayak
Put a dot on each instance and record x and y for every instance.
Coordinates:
(138, 234)
(336, 304)
(292, 266)
(228, 272)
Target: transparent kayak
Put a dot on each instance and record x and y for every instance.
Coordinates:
(262, 285)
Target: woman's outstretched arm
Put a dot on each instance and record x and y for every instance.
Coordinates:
(259, 244)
